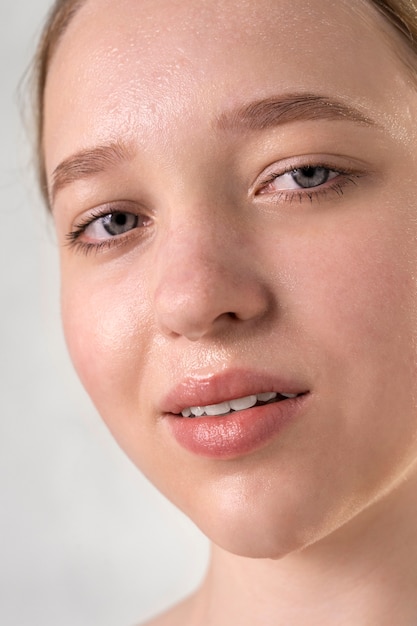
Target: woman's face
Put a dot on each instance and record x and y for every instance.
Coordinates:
(235, 199)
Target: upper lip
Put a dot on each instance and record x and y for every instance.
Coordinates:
(206, 390)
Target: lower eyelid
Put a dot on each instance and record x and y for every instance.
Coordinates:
(94, 247)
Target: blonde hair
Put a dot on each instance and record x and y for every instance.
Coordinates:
(402, 14)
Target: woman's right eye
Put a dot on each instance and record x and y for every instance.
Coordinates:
(104, 228)
(111, 225)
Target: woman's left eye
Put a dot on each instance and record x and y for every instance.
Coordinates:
(299, 178)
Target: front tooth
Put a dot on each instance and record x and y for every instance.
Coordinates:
(197, 411)
(217, 409)
(243, 403)
(265, 397)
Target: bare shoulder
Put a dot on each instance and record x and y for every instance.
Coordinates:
(182, 614)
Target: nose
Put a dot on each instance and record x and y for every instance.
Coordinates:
(207, 280)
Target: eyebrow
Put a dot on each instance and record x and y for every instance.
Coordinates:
(277, 110)
(256, 115)
(87, 163)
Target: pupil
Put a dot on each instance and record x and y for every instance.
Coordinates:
(120, 219)
(309, 172)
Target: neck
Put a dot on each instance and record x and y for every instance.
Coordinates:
(363, 573)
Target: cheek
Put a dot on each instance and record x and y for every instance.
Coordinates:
(358, 289)
(106, 323)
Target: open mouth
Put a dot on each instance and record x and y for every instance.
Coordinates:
(238, 404)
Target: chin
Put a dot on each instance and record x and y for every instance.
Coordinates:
(273, 537)
(262, 539)
(261, 525)
(262, 520)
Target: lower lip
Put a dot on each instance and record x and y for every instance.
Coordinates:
(236, 434)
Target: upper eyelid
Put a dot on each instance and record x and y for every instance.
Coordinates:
(109, 208)
(330, 161)
(334, 163)
(276, 171)
(276, 175)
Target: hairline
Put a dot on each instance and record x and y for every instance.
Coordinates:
(57, 24)
(397, 35)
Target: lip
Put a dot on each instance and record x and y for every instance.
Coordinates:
(237, 433)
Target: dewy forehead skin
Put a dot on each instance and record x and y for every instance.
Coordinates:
(112, 57)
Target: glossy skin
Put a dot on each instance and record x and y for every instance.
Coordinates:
(229, 271)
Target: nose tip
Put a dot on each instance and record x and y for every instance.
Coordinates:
(199, 317)
(207, 295)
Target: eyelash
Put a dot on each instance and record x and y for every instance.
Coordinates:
(335, 186)
(344, 177)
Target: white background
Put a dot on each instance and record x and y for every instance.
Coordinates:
(84, 539)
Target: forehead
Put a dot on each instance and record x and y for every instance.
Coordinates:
(134, 65)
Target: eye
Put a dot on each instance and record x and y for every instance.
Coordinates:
(106, 227)
(112, 224)
(306, 179)
(299, 178)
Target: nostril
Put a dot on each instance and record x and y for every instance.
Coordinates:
(192, 296)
